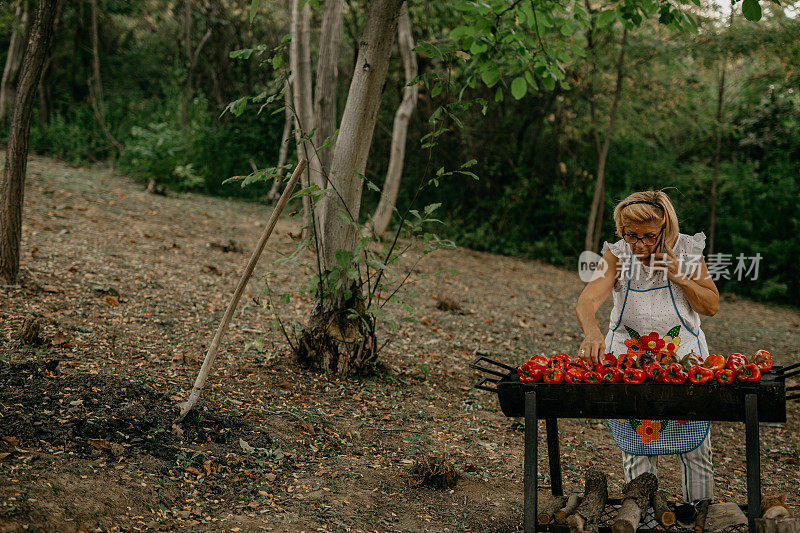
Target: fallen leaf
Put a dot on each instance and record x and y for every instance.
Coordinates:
(13, 441)
(4, 455)
(285, 385)
(112, 301)
(307, 426)
(177, 431)
(34, 251)
(193, 470)
(60, 339)
(100, 444)
(246, 447)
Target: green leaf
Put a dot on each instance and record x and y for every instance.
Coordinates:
(633, 333)
(498, 96)
(253, 9)
(549, 83)
(490, 75)
(751, 10)
(606, 17)
(674, 332)
(519, 88)
(437, 89)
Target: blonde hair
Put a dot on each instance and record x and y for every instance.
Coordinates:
(643, 212)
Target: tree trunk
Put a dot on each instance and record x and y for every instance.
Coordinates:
(300, 81)
(391, 186)
(16, 49)
(13, 184)
(187, 53)
(44, 92)
(336, 341)
(599, 187)
(712, 211)
(325, 90)
(283, 151)
(96, 83)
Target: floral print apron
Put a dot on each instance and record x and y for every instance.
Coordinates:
(651, 314)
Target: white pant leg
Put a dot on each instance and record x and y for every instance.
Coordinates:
(697, 472)
(636, 465)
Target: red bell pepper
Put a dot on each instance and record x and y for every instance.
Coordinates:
(528, 373)
(675, 374)
(654, 371)
(611, 374)
(559, 361)
(593, 377)
(748, 372)
(538, 360)
(725, 375)
(633, 376)
(735, 360)
(763, 360)
(577, 362)
(698, 374)
(608, 359)
(574, 375)
(714, 362)
(553, 375)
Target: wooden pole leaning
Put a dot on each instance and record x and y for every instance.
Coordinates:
(194, 395)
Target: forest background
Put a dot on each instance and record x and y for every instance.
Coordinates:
(690, 105)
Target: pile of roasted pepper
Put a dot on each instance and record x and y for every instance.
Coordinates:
(626, 369)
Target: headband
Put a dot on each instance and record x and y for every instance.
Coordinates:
(643, 202)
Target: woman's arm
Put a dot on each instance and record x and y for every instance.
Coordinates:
(699, 288)
(590, 300)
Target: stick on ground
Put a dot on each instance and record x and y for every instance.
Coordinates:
(237, 295)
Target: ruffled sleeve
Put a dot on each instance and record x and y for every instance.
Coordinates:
(617, 248)
(693, 252)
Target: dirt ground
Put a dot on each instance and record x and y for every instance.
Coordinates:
(130, 288)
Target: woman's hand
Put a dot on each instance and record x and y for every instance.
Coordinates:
(592, 348)
(669, 261)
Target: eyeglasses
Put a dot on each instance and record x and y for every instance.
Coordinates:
(647, 240)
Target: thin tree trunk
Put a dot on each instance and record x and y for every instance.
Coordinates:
(283, 151)
(712, 216)
(187, 97)
(391, 186)
(13, 184)
(599, 187)
(187, 54)
(334, 340)
(325, 89)
(16, 49)
(44, 81)
(96, 83)
(300, 81)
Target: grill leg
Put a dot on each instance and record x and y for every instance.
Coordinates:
(531, 462)
(753, 454)
(554, 456)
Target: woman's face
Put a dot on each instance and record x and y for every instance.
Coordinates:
(642, 229)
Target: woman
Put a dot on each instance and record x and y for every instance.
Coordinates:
(661, 285)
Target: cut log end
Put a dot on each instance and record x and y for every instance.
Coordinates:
(628, 518)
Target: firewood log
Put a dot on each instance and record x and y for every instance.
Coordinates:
(662, 512)
(591, 508)
(547, 507)
(636, 497)
(569, 508)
